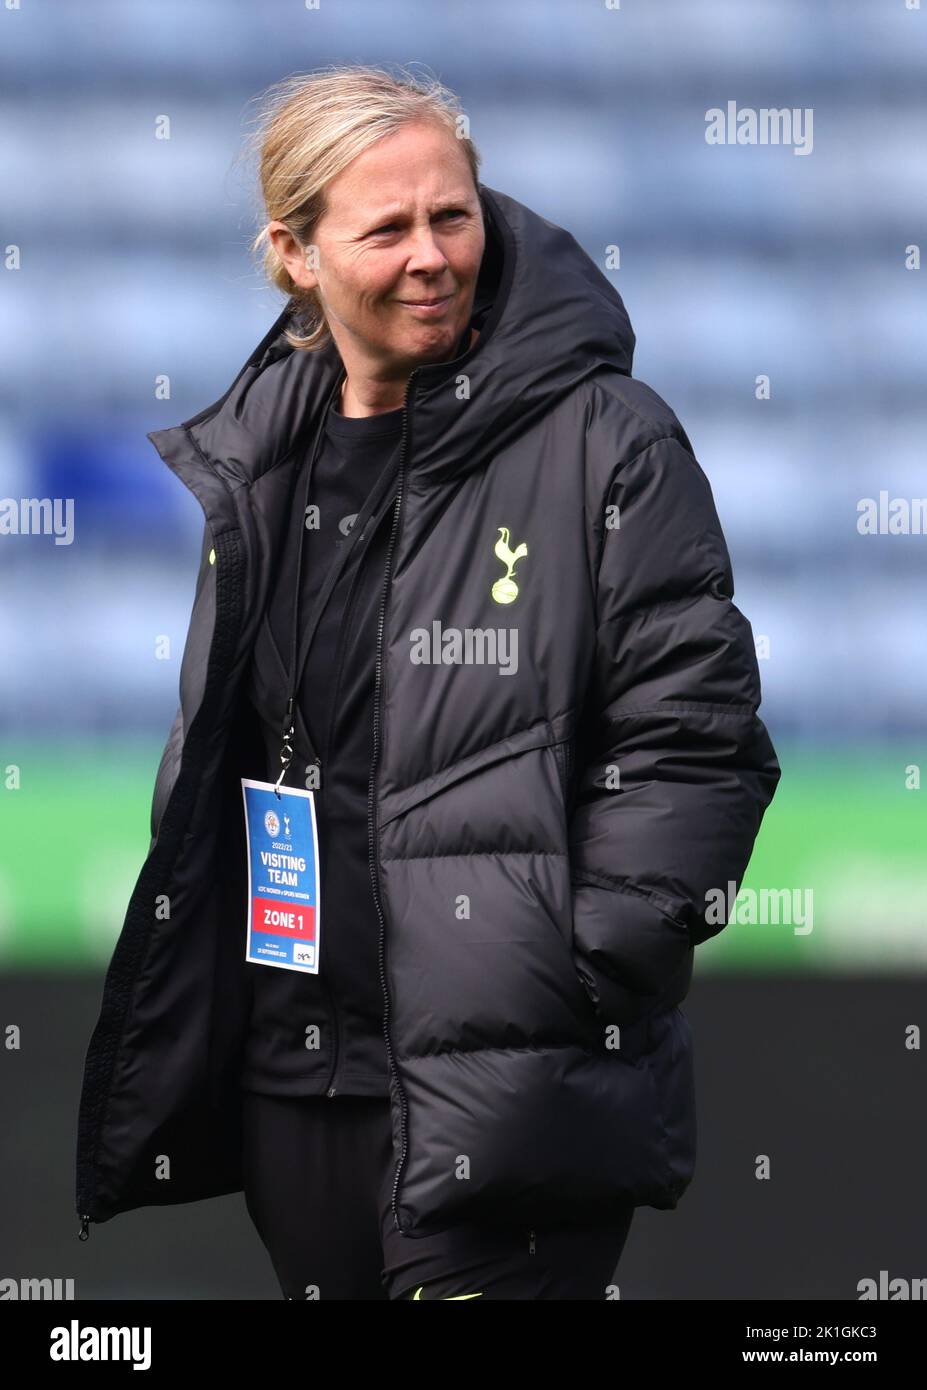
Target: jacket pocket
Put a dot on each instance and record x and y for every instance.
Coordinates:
(561, 756)
(564, 751)
(543, 733)
(633, 956)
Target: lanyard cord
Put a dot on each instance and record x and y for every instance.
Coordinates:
(297, 666)
(286, 752)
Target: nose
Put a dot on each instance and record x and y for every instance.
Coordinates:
(425, 255)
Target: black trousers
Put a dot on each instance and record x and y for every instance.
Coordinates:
(318, 1177)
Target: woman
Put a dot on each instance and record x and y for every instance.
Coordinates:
(464, 630)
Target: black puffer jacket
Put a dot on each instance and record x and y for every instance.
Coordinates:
(550, 803)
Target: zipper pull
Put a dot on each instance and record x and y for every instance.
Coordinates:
(84, 1233)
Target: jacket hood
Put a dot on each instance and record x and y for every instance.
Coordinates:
(547, 317)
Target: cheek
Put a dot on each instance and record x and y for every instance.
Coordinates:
(361, 284)
(471, 258)
(375, 275)
(375, 292)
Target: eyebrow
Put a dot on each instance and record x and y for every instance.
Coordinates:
(395, 211)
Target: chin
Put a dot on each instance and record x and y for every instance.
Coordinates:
(436, 343)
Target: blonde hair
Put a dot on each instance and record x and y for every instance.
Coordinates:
(309, 129)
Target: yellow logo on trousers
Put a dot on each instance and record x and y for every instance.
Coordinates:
(505, 590)
(453, 1298)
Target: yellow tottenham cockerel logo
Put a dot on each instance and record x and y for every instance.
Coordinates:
(505, 590)
(453, 1298)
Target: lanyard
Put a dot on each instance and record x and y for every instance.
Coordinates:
(296, 667)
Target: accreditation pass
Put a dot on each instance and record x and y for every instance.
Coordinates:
(283, 877)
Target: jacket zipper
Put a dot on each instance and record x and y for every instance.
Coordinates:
(332, 1089)
(371, 801)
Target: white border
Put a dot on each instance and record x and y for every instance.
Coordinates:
(289, 791)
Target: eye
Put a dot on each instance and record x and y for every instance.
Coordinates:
(394, 226)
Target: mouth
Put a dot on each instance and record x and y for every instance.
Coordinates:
(431, 308)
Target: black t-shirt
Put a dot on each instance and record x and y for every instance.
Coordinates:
(337, 687)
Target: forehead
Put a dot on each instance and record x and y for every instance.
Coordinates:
(416, 169)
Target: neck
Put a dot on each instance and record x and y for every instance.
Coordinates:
(362, 395)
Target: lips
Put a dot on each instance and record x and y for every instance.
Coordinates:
(425, 303)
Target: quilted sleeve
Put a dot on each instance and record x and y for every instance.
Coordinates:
(674, 767)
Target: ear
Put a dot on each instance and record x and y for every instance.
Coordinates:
(301, 262)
